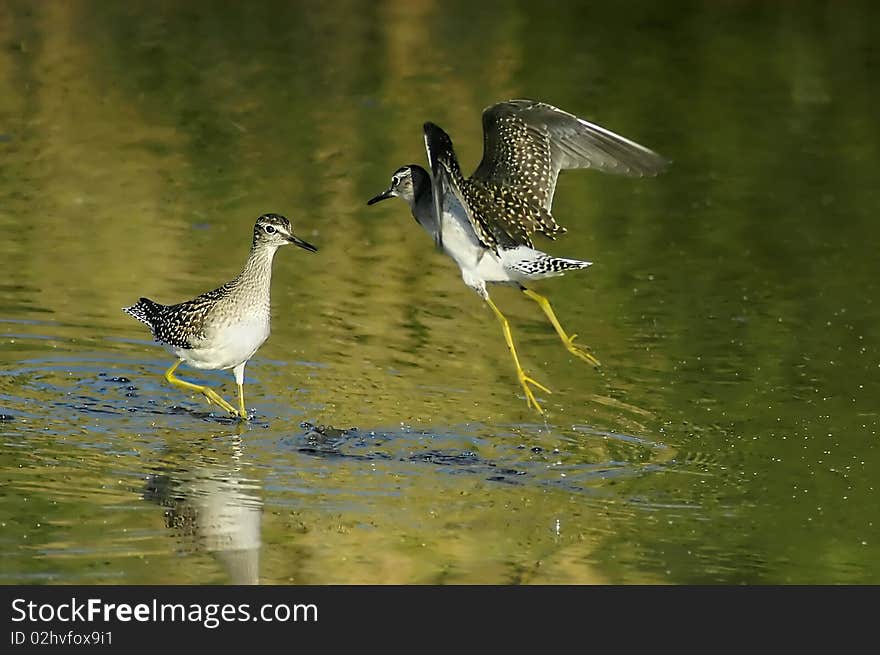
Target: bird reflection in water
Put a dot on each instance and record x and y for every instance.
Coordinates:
(210, 507)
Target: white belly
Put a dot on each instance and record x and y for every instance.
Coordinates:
(229, 346)
(477, 264)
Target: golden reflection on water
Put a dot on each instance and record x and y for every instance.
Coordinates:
(139, 142)
(115, 184)
(211, 507)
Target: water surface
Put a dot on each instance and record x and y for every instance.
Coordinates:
(729, 437)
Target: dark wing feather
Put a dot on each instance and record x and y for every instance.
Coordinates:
(510, 217)
(448, 187)
(185, 322)
(161, 319)
(183, 325)
(526, 143)
(499, 215)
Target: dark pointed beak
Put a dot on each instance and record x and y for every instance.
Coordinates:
(382, 196)
(302, 244)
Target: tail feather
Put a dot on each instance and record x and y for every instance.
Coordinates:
(146, 311)
(534, 264)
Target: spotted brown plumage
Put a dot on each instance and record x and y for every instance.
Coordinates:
(510, 218)
(474, 200)
(181, 325)
(526, 143)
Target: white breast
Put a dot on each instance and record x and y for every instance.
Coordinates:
(230, 345)
(478, 265)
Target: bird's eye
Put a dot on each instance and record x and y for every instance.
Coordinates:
(269, 229)
(395, 181)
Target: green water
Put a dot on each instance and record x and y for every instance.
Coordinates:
(731, 435)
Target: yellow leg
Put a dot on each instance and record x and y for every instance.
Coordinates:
(243, 412)
(567, 341)
(524, 379)
(210, 394)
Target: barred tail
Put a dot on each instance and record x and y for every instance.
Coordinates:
(146, 311)
(562, 264)
(534, 264)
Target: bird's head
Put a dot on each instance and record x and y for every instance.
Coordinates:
(275, 230)
(408, 182)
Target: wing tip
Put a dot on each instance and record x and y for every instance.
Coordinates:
(432, 129)
(658, 165)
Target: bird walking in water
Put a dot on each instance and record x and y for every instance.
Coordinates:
(223, 328)
(486, 222)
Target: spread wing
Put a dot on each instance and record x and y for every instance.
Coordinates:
(526, 143)
(447, 184)
(498, 215)
(511, 217)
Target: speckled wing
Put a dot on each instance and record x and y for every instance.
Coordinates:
(508, 216)
(526, 143)
(447, 184)
(182, 325)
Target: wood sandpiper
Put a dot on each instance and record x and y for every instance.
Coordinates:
(223, 328)
(486, 222)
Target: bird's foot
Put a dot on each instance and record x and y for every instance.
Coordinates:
(214, 398)
(525, 381)
(577, 351)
